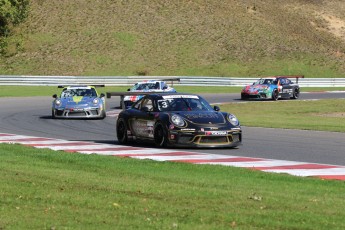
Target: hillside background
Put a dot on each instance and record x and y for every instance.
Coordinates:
(232, 38)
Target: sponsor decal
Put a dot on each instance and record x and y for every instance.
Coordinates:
(180, 96)
(216, 133)
(187, 129)
(75, 110)
(201, 115)
(143, 128)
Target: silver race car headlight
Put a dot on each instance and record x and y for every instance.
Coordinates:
(95, 101)
(57, 102)
(233, 120)
(177, 120)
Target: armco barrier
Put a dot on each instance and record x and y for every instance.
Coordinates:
(130, 80)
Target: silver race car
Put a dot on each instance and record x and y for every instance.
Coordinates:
(79, 102)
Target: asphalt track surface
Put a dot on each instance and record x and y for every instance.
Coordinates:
(32, 116)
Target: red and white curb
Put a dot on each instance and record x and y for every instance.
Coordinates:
(304, 169)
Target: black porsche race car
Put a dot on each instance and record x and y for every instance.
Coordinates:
(175, 119)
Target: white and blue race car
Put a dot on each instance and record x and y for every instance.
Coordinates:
(79, 102)
(146, 86)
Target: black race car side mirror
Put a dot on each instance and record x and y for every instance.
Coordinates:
(54, 96)
(216, 108)
(102, 95)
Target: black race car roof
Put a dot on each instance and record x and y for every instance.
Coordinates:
(161, 94)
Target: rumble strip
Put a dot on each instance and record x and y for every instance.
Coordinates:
(323, 171)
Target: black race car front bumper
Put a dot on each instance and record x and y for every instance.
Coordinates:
(213, 139)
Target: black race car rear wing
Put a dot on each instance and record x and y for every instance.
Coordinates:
(292, 76)
(63, 86)
(171, 79)
(123, 94)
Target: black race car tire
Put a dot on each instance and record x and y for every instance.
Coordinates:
(275, 95)
(121, 131)
(295, 94)
(160, 135)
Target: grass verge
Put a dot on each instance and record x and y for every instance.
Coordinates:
(323, 115)
(44, 189)
(30, 91)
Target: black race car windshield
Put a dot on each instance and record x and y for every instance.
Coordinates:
(183, 103)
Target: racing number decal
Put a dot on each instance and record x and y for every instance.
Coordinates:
(164, 104)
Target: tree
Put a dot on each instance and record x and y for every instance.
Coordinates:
(12, 12)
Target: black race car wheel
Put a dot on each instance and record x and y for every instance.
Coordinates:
(295, 94)
(160, 135)
(275, 95)
(121, 131)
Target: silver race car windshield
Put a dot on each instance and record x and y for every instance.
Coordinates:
(79, 92)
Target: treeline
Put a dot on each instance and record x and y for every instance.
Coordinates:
(12, 12)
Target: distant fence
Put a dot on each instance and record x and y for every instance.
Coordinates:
(130, 80)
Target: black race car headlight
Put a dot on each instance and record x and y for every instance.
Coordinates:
(177, 120)
(95, 101)
(233, 120)
(57, 102)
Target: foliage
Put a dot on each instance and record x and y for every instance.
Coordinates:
(12, 12)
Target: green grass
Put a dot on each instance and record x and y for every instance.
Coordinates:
(26, 91)
(325, 115)
(43, 189)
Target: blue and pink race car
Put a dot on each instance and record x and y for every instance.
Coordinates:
(272, 88)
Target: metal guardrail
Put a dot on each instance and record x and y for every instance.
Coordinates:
(130, 80)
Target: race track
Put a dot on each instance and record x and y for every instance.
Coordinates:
(32, 116)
